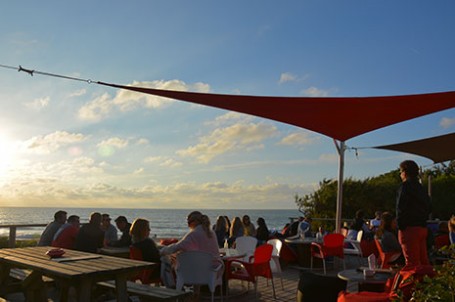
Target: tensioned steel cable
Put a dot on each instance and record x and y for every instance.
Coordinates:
(32, 72)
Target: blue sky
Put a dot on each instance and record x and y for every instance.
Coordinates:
(74, 144)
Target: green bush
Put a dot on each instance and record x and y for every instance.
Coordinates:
(442, 286)
(4, 241)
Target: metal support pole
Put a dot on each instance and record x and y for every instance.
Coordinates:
(340, 148)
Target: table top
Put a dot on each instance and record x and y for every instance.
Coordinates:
(356, 275)
(306, 240)
(72, 264)
(227, 253)
(116, 251)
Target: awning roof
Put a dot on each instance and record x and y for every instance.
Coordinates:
(339, 118)
(438, 149)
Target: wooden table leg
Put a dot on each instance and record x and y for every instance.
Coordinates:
(34, 287)
(120, 285)
(84, 291)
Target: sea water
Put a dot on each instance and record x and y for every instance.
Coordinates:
(164, 223)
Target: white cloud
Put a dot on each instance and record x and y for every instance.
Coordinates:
(52, 142)
(126, 100)
(447, 122)
(298, 138)
(116, 142)
(328, 158)
(315, 92)
(38, 104)
(232, 138)
(96, 109)
(188, 194)
(77, 93)
(163, 161)
(287, 77)
(139, 171)
(142, 141)
(229, 118)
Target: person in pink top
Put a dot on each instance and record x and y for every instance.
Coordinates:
(199, 238)
(66, 235)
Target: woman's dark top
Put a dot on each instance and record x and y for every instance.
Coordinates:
(220, 237)
(150, 253)
(413, 205)
(262, 233)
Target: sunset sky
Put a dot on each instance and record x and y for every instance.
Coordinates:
(75, 144)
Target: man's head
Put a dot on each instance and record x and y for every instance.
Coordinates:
(95, 218)
(105, 220)
(60, 216)
(74, 220)
(121, 223)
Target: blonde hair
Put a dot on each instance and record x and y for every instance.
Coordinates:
(452, 224)
(201, 219)
(236, 226)
(138, 230)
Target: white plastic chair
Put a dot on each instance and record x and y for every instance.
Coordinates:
(199, 268)
(356, 250)
(275, 261)
(247, 245)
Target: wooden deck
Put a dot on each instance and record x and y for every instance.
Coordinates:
(290, 278)
(290, 283)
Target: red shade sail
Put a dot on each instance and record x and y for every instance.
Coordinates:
(438, 149)
(339, 118)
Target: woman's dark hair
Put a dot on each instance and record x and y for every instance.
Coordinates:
(386, 223)
(410, 167)
(261, 221)
(201, 219)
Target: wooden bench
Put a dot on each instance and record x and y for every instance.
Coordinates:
(21, 274)
(150, 293)
(16, 284)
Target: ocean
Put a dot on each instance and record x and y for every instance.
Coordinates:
(164, 223)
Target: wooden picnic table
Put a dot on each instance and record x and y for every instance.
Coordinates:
(74, 269)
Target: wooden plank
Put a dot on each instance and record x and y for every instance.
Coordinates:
(145, 290)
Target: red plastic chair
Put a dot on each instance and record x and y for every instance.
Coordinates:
(250, 271)
(441, 240)
(333, 246)
(145, 275)
(385, 257)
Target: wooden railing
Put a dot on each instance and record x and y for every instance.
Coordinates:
(13, 230)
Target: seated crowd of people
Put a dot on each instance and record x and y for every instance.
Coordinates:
(67, 232)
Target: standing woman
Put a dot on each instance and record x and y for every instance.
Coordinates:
(140, 232)
(413, 209)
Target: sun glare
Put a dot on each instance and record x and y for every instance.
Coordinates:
(7, 155)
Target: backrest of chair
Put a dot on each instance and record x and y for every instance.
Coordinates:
(333, 240)
(334, 244)
(263, 253)
(143, 275)
(277, 244)
(135, 253)
(379, 247)
(359, 235)
(195, 267)
(441, 240)
(246, 244)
